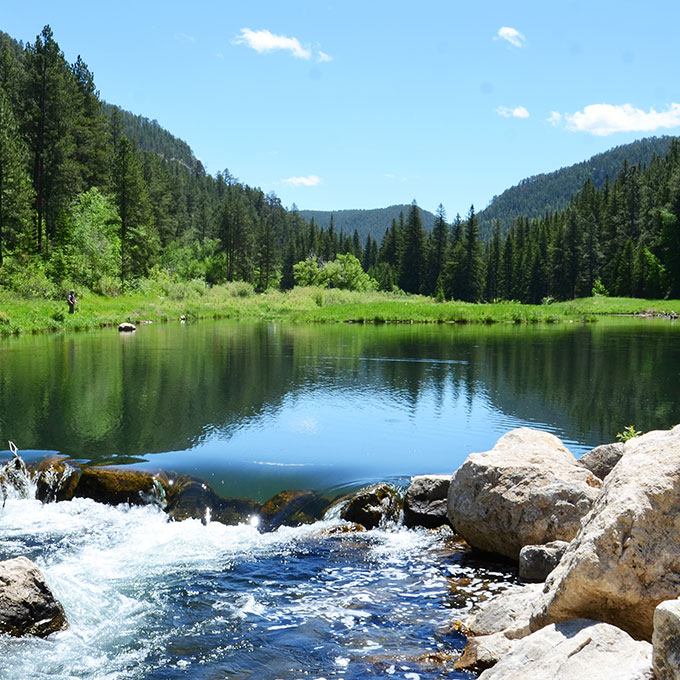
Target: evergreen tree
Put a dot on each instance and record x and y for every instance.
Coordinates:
(411, 275)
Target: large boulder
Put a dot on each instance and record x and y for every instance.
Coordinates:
(574, 650)
(626, 558)
(114, 486)
(527, 490)
(27, 606)
(425, 501)
(293, 507)
(602, 459)
(55, 479)
(537, 561)
(666, 641)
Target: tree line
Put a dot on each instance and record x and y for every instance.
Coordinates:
(92, 196)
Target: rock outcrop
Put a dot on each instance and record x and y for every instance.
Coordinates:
(574, 650)
(115, 486)
(527, 490)
(425, 501)
(537, 561)
(602, 459)
(625, 560)
(27, 606)
(292, 508)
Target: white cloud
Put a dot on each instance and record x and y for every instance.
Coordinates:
(308, 181)
(184, 37)
(512, 35)
(517, 112)
(323, 57)
(555, 118)
(265, 41)
(606, 119)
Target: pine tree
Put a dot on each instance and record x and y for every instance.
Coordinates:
(411, 275)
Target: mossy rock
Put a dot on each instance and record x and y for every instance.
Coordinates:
(292, 508)
(55, 479)
(374, 506)
(115, 486)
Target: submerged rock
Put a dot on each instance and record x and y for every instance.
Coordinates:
(425, 501)
(537, 561)
(127, 327)
(27, 606)
(625, 560)
(527, 490)
(15, 479)
(373, 507)
(292, 508)
(574, 650)
(602, 459)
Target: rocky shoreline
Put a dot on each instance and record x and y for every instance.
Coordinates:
(596, 540)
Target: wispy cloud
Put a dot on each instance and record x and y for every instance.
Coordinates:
(264, 41)
(307, 181)
(398, 178)
(517, 112)
(511, 35)
(322, 57)
(184, 37)
(606, 119)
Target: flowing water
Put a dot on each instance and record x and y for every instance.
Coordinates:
(258, 408)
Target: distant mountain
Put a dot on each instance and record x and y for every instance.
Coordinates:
(373, 222)
(534, 196)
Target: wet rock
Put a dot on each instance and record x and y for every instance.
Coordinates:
(666, 641)
(373, 507)
(127, 327)
(574, 650)
(340, 530)
(27, 606)
(425, 501)
(527, 490)
(55, 480)
(187, 497)
(537, 561)
(292, 508)
(483, 652)
(15, 480)
(626, 558)
(114, 486)
(602, 459)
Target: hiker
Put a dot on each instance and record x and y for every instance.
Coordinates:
(71, 299)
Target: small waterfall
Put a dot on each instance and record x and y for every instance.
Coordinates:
(15, 479)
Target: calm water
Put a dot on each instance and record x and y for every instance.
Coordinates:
(257, 408)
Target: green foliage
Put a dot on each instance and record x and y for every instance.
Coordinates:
(629, 433)
(345, 273)
(599, 289)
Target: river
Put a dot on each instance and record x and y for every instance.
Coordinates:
(257, 408)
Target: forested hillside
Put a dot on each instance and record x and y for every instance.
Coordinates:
(372, 223)
(92, 197)
(535, 196)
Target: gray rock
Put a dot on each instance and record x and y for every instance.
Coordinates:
(602, 459)
(27, 606)
(625, 560)
(425, 501)
(527, 490)
(666, 641)
(508, 612)
(574, 650)
(484, 651)
(537, 561)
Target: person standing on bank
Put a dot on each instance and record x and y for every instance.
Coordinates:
(71, 299)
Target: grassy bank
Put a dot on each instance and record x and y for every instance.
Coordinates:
(299, 305)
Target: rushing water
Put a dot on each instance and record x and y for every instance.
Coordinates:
(258, 408)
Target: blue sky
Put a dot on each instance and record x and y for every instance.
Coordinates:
(353, 104)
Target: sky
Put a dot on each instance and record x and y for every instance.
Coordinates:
(363, 104)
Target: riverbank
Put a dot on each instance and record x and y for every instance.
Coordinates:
(301, 305)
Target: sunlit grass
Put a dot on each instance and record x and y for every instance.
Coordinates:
(313, 305)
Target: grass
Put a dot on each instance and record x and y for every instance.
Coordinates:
(310, 305)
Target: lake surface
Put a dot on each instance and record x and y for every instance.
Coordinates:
(258, 408)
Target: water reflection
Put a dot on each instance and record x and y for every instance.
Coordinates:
(308, 405)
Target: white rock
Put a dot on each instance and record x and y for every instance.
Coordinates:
(575, 650)
(527, 490)
(626, 558)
